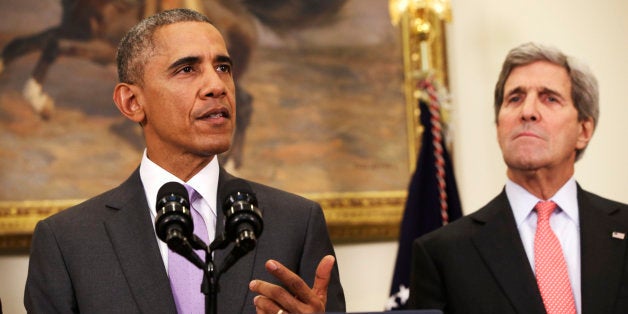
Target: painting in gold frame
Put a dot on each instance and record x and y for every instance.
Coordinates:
(331, 122)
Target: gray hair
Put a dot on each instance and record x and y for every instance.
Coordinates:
(584, 87)
(137, 45)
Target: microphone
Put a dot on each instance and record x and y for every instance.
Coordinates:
(243, 220)
(174, 224)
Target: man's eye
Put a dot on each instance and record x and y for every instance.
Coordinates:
(514, 99)
(187, 69)
(224, 68)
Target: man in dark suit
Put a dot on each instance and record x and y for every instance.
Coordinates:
(102, 256)
(492, 261)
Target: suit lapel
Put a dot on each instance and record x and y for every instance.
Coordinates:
(602, 255)
(234, 289)
(133, 239)
(498, 242)
(223, 177)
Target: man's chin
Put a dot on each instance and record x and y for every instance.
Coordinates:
(523, 160)
(217, 148)
(524, 165)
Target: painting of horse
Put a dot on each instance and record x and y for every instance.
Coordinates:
(319, 95)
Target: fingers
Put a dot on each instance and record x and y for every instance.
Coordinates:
(323, 276)
(291, 281)
(298, 298)
(272, 297)
(265, 305)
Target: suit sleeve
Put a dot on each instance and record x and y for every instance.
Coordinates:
(317, 245)
(48, 284)
(426, 287)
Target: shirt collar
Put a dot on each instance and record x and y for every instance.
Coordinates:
(522, 202)
(205, 182)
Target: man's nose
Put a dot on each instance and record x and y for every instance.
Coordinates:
(530, 109)
(213, 85)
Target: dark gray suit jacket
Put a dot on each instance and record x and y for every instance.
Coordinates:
(102, 256)
(477, 264)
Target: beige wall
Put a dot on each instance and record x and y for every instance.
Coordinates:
(480, 35)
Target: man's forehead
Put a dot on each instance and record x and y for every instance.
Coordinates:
(538, 76)
(189, 38)
(190, 32)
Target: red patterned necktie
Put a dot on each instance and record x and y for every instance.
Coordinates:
(550, 265)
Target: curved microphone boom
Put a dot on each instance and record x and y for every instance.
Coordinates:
(243, 220)
(174, 224)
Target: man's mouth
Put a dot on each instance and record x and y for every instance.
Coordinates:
(216, 114)
(527, 134)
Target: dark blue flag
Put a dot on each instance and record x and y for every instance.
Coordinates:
(424, 205)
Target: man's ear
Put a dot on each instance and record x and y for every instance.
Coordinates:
(587, 127)
(126, 98)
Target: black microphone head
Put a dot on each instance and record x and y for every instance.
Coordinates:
(237, 190)
(243, 220)
(173, 213)
(172, 188)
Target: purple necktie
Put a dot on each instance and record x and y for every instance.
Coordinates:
(185, 277)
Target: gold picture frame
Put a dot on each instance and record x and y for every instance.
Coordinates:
(351, 216)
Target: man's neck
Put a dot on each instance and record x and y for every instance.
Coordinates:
(540, 183)
(183, 166)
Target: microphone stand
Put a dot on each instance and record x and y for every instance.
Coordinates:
(209, 286)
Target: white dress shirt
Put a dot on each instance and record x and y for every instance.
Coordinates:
(564, 222)
(205, 182)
